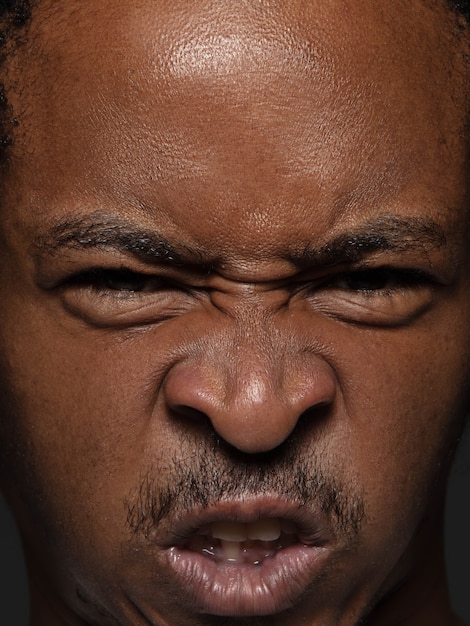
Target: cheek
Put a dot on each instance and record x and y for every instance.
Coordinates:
(79, 413)
(404, 399)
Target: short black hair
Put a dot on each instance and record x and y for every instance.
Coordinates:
(15, 16)
(461, 6)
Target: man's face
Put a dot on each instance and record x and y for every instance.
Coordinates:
(235, 305)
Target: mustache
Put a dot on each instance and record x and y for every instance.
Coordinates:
(210, 475)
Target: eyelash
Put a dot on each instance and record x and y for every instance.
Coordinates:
(107, 280)
(368, 282)
(373, 282)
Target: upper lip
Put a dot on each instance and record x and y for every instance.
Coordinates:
(311, 523)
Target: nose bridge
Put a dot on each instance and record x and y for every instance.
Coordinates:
(253, 383)
(253, 355)
(255, 371)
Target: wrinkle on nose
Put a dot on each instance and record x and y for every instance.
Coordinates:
(253, 406)
(251, 301)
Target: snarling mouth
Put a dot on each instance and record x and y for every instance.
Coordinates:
(248, 558)
(243, 543)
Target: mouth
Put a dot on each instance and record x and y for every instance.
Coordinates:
(244, 543)
(239, 560)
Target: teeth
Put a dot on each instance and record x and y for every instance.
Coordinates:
(229, 531)
(231, 549)
(264, 530)
(239, 543)
(261, 530)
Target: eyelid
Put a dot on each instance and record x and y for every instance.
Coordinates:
(407, 294)
(61, 271)
(102, 306)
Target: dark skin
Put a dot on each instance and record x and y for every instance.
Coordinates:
(235, 285)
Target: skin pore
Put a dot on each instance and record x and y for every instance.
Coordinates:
(234, 275)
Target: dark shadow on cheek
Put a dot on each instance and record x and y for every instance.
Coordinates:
(13, 442)
(95, 608)
(19, 479)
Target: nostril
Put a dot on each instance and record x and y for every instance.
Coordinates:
(188, 412)
(318, 411)
(315, 415)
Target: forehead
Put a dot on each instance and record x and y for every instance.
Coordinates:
(252, 110)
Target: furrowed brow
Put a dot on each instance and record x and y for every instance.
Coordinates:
(387, 233)
(120, 236)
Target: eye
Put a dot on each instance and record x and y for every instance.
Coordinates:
(123, 298)
(378, 281)
(121, 280)
(377, 296)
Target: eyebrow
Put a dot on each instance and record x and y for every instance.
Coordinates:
(111, 233)
(385, 233)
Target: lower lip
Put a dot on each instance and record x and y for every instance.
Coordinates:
(238, 590)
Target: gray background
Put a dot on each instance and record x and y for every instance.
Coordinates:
(13, 594)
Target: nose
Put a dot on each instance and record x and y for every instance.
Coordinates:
(253, 403)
